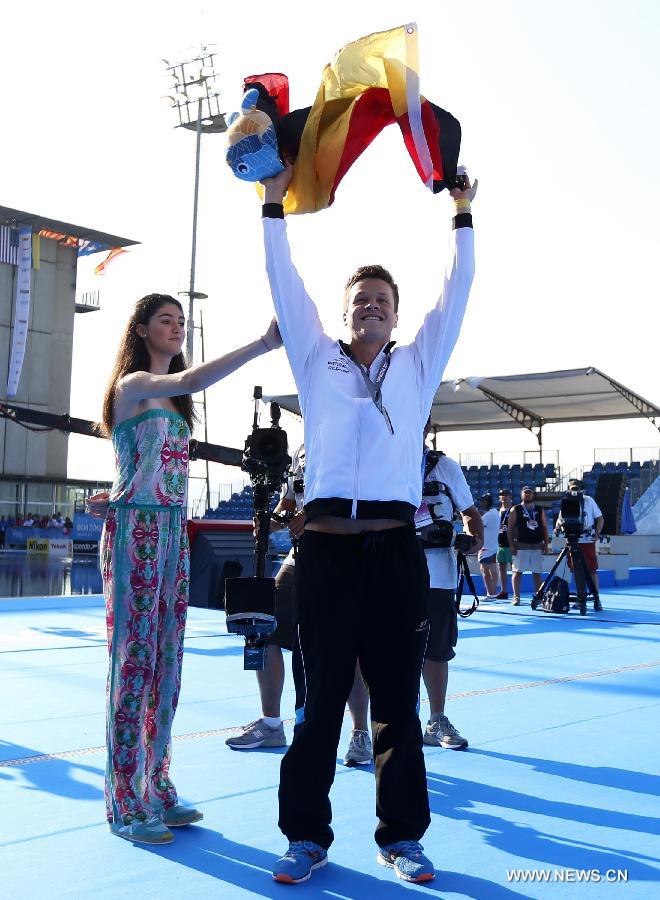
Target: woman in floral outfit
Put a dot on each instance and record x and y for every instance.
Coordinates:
(148, 411)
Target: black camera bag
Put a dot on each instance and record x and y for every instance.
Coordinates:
(557, 596)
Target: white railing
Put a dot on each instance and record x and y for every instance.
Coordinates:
(626, 454)
(507, 457)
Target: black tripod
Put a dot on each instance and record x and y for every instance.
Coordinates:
(584, 583)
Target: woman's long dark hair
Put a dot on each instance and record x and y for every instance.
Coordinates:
(133, 356)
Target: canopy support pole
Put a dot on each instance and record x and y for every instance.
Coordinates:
(646, 409)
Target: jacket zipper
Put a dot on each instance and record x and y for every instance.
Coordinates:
(357, 463)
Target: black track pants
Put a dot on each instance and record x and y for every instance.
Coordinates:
(361, 597)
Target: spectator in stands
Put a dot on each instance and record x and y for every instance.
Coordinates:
(504, 557)
(528, 539)
(68, 525)
(268, 731)
(592, 525)
(488, 553)
(3, 532)
(442, 504)
(28, 522)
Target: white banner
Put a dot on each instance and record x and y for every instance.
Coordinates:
(22, 312)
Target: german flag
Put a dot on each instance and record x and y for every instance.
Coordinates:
(371, 83)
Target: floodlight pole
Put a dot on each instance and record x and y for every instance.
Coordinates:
(199, 112)
(193, 252)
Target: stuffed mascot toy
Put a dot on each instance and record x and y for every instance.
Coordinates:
(371, 83)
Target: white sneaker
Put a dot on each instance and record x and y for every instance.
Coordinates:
(359, 751)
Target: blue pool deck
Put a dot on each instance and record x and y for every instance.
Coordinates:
(562, 776)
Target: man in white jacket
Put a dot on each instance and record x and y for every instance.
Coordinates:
(363, 579)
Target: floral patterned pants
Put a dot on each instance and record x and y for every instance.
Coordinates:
(145, 568)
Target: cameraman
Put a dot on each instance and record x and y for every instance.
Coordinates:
(268, 731)
(592, 525)
(528, 539)
(362, 576)
(445, 493)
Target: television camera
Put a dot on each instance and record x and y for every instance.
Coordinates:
(250, 602)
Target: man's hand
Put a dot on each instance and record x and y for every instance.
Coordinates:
(272, 337)
(297, 525)
(97, 504)
(476, 545)
(276, 187)
(468, 193)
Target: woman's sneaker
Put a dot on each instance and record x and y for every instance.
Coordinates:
(178, 816)
(407, 860)
(153, 831)
(360, 752)
(258, 734)
(441, 733)
(299, 862)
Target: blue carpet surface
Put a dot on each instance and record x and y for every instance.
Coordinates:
(562, 715)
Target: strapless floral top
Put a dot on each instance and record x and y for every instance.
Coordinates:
(151, 454)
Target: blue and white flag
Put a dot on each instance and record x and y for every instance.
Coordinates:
(86, 248)
(22, 310)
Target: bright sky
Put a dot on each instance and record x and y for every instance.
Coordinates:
(559, 108)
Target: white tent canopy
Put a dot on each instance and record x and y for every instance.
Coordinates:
(529, 401)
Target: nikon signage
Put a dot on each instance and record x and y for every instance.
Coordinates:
(50, 546)
(37, 545)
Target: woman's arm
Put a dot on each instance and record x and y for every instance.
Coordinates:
(145, 386)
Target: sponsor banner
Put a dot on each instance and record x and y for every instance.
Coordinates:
(37, 545)
(86, 548)
(86, 527)
(22, 311)
(61, 547)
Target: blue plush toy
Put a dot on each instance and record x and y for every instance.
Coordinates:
(252, 151)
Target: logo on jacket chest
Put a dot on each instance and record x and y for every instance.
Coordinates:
(338, 365)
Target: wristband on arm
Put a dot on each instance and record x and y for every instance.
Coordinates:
(272, 211)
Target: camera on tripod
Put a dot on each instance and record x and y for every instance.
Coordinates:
(572, 515)
(250, 602)
(553, 595)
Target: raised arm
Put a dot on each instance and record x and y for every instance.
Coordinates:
(297, 315)
(437, 337)
(145, 386)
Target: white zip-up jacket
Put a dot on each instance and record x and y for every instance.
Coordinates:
(355, 467)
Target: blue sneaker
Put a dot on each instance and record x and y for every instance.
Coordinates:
(299, 862)
(407, 860)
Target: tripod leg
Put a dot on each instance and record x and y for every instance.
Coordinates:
(580, 574)
(539, 595)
